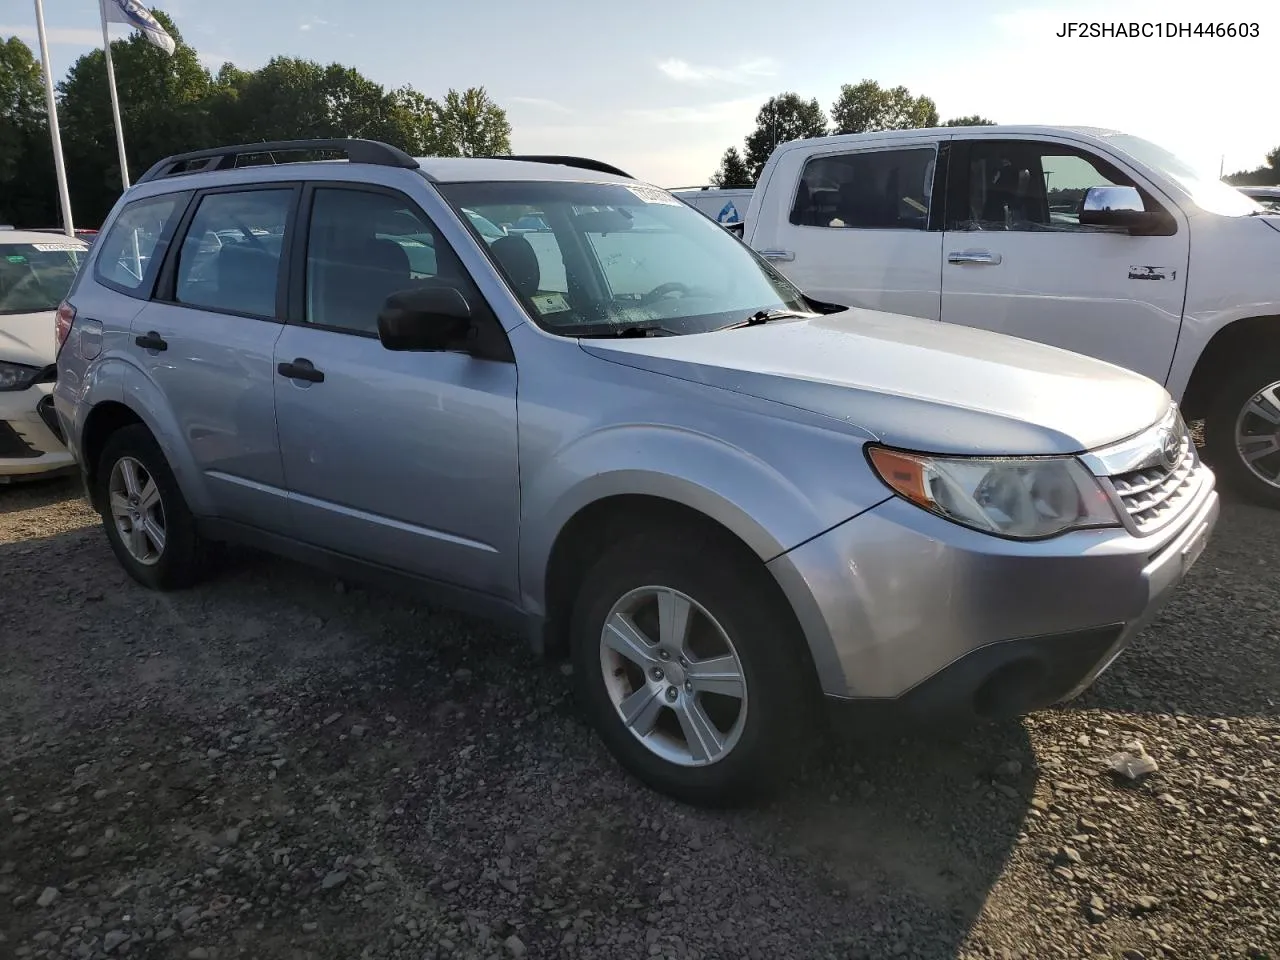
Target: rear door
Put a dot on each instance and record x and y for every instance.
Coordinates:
(861, 226)
(207, 341)
(1018, 261)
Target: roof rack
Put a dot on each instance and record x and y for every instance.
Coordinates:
(224, 158)
(583, 163)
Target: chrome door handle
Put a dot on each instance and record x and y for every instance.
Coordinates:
(777, 254)
(974, 256)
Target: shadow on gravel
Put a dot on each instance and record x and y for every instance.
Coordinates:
(33, 494)
(1215, 649)
(396, 779)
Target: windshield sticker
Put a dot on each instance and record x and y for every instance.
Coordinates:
(654, 195)
(52, 247)
(17, 258)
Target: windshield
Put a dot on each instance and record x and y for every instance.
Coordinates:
(614, 256)
(1207, 191)
(35, 277)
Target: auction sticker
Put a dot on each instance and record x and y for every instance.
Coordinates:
(654, 195)
(52, 247)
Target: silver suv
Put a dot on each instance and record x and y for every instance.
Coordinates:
(621, 430)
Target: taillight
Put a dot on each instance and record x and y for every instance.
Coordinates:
(62, 322)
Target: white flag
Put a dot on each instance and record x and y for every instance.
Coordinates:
(134, 14)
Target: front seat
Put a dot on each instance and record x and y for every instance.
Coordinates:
(516, 257)
(364, 276)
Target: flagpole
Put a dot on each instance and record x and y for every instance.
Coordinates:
(115, 99)
(51, 104)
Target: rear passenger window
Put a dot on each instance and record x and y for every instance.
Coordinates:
(230, 257)
(872, 189)
(364, 246)
(132, 249)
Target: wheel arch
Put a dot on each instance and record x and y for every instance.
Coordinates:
(1244, 337)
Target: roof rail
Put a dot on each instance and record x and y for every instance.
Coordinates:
(583, 163)
(224, 158)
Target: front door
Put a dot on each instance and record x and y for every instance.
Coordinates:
(862, 230)
(1017, 260)
(404, 459)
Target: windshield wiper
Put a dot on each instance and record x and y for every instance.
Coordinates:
(764, 316)
(619, 331)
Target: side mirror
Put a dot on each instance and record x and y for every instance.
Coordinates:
(1113, 206)
(424, 318)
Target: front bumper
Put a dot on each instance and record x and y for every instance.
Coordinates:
(29, 448)
(911, 615)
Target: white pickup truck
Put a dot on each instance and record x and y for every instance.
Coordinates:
(1087, 239)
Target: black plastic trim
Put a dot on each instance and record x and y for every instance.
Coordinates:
(224, 158)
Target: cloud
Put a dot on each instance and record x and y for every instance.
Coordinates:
(213, 61)
(57, 36)
(748, 70)
(312, 24)
(542, 103)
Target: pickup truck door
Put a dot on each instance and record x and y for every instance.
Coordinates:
(860, 227)
(1017, 260)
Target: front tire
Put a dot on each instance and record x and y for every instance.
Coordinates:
(147, 521)
(1242, 432)
(691, 671)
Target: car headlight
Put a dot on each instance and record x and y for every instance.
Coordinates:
(17, 376)
(1024, 499)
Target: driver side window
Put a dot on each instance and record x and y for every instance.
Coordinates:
(1028, 186)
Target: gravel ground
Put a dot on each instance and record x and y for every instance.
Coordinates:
(279, 766)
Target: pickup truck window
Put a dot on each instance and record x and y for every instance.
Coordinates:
(866, 189)
(1028, 186)
(615, 256)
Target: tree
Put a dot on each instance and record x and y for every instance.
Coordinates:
(733, 172)
(1263, 176)
(972, 120)
(26, 163)
(866, 107)
(782, 118)
(472, 125)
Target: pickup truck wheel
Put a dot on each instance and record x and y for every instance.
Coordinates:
(1242, 432)
(146, 518)
(688, 671)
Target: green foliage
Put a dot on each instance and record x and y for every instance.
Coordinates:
(782, 118)
(1264, 176)
(171, 104)
(972, 120)
(733, 172)
(866, 107)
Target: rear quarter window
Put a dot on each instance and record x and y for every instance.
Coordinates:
(129, 254)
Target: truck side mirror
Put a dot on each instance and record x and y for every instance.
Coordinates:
(1113, 206)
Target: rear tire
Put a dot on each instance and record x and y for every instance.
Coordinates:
(1245, 413)
(147, 521)
(755, 740)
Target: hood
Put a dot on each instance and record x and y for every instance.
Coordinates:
(27, 338)
(915, 384)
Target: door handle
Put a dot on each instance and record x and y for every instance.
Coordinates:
(974, 256)
(777, 254)
(151, 341)
(301, 369)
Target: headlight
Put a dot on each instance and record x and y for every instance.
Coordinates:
(1025, 499)
(16, 376)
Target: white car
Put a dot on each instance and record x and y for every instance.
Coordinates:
(36, 270)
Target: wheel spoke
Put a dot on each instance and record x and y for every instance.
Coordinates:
(1259, 447)
(138, 541)
(154, 533)
(717, 675)
(1266, 406)
(149, 495)
(673, 620)
(119, 505)
(129, 473)
(640, 710)
(624, 637)
(701, 735)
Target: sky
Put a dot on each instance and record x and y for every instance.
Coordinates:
(661, 89)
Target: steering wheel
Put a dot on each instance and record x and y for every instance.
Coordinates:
(665, 289)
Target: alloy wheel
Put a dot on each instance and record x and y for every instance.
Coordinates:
(137, 510)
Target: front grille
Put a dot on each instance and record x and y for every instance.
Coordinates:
(12, 444)
(1152, 496)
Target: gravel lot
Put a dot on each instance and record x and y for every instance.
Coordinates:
(278, 766)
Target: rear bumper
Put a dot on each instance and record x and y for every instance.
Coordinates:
(910, 615)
